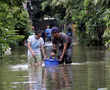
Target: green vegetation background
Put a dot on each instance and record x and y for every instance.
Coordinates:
(92, 18)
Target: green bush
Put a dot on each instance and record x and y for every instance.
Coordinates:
(11, 16)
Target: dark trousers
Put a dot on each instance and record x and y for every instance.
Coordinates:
(67, 59)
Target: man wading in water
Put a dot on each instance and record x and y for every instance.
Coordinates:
(63, 43)
(35, 45)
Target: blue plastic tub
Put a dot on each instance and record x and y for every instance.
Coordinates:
(50, 63)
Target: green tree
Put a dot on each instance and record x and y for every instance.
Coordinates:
(12, 14)
(89, 16)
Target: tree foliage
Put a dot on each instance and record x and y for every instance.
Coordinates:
(91, 17)
(12, 16)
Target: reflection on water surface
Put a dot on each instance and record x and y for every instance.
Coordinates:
(90, 70)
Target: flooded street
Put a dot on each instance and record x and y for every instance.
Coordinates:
(90, 70)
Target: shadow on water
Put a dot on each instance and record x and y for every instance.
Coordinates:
(90, 70)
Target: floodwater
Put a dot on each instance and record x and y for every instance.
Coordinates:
(90, 70)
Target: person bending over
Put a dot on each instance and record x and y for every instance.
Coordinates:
(62, 43)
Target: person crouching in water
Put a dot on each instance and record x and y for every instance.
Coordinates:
(35, 46)
(62, 43)
(52, 60)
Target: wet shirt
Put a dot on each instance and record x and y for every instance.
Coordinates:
(61, 40)
(35, 43)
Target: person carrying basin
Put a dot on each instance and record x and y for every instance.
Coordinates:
(35, 47)
(63, 44)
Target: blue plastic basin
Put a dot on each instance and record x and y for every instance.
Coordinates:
(49, 63)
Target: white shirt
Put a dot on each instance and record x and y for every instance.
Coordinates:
(35, 44)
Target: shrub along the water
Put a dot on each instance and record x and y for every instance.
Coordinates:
(91, 16)
(12, 16)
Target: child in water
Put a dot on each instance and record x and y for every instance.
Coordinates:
(52, 60)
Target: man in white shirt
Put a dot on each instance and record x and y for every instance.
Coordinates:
(35, 47)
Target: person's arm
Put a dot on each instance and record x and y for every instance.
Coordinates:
(30, 49)
(42, 48)
(65, 44)
(64, 50)
(43, 51)
(54, 43)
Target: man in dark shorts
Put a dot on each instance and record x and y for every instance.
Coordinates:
(63, 43)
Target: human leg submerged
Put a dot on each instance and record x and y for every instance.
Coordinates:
(36, 60)
(67, 59)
